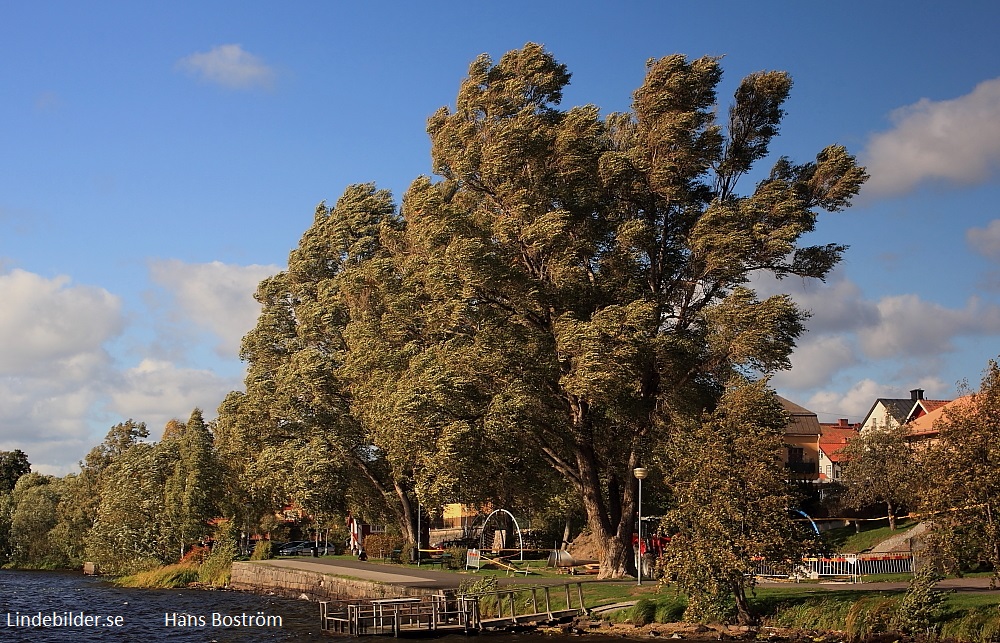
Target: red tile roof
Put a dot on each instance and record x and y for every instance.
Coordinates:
(923, 426)
(833, 438)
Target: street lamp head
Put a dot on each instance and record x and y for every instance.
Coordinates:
(640, 472)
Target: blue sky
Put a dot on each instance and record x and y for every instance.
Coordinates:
(158, 160)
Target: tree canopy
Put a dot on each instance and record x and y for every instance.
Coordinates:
(13, 465)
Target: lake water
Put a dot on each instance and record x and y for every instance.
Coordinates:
(64, 606)
(44, 607)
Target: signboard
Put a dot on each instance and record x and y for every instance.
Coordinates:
(472, 559)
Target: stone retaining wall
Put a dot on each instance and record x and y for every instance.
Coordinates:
(261, 578)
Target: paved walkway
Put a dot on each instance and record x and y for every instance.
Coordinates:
(410, 576)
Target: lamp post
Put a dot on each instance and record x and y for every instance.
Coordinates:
(640, 473)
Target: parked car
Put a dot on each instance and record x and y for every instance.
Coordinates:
(296, 548)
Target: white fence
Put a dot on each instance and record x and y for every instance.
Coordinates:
(847, 565)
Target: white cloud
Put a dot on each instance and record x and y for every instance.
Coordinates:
(49, 325)
(909, 326)
(230, 66)
(215, 296)
(157, 391)
(53, 364)
(956, 140)
(852, 404)
(985, 241)
(837, 305)
(816, 361)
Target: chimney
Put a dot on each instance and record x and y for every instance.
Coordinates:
(917, 394)
(843, 422)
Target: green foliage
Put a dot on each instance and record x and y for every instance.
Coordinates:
(961, 488)
(455, 557)
(35, 501)
(128, 535)
(174, 576)
(574, 282)
(6, 514)
(643, 612)
(13, 465)
(217, 568)
(880, 469)
(979, 624)
(486, 586)
(922, 607)
(263, 550)
(191, 489)
(731, 503)
(382, 545)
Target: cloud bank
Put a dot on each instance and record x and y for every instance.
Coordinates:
(956, 141)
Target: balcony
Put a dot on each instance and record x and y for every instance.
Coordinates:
(803, 467)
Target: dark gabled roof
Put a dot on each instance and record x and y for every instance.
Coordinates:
(897, 408)
(802, 422)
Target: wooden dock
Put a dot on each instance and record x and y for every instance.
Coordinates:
(514, 606)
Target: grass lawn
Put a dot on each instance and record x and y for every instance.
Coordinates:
(844, 540)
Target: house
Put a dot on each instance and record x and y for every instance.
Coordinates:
(801, 454)
(923, 429)
(833, 438)
(893, 412)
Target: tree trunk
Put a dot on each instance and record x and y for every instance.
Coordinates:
(743, 613)
(892, 516)
(404, 515)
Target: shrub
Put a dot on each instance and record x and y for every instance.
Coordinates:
(922, 607)
(217, 568)
(643, 612)
(456, 558)
(167, 577)
(263, 550)
(488, 604)
(382, 545)
(195, 556)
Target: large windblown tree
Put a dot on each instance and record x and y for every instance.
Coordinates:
(575, 284)
(615, 252)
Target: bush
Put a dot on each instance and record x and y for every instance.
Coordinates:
(168, 577)
(263, 550)
(456, 558)
(643, 612)
(217, 568)
(382, 545)
(922, 607)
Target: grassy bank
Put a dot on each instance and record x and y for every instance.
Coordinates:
(970, 617)
(167, 577)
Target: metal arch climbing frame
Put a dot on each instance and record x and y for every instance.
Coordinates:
(520, 541)
(809, 518)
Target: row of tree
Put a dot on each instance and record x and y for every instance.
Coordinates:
(134, 504)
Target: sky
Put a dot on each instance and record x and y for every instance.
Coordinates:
(157, 160)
